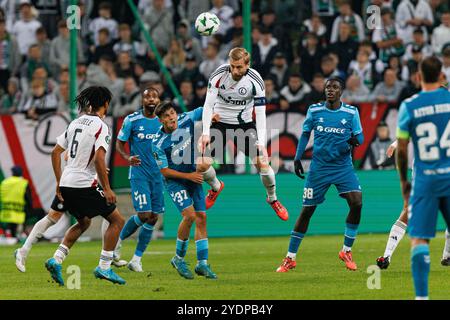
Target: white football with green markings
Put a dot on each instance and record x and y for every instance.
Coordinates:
(207, 24)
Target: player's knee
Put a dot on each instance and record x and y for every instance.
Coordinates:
(356, 205)
(84, 223)
(54, 216)
(306, 213)
(189, 217)
(152, 219)
(200, 218)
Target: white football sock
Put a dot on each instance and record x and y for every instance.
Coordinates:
(446, 253)
(106, 258)
(61, 253)
(136, 258)
(397, 232)
(105, 225)
(210, 178)
(346, 249)
(268, 180)
(36, 233)
(291, 255)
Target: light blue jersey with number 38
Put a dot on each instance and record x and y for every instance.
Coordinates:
(425, 118)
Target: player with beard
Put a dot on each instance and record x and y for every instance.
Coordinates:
(337, 129)
(138, 129)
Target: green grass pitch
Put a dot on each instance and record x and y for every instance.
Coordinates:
(245, 267)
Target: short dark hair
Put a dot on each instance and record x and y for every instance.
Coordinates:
(94, 97)
(337, 79)
(104, 5)
(430, 68)
(163, 107)
(151, 88)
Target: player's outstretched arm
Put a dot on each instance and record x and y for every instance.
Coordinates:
(391, 149)
(195, 177)
(356, 140)
(102, 173)
(402, 167)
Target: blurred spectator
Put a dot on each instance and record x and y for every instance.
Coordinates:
(190, 45)
(63, 97)
(314, 25)
(413, 62)
(175, 58)
(292, 95)
(60, 48)
(269, 21)
(418, 42)
(224, 13)
(438, 7)
(103, 74)
(190, 70)
(412, 86)
(11, 14)
(42, 74)
(187, 94)
(389, 90)
(267, 47)
(236, 27)
(310, 57)
(33, 61)
(104, 21)
(82, 80)
(200, 93)
(388, 37)
(126, 43)
(354, 21)
(396, 65)
(43, 42)
(280, 70)
(129, 100)
(124, 67)
(345, 47)
(272, 96)
(49, 14)
(150, 78)
(364, 69)
(9, 55)
(377, 152)
(413, 14)
(317, 93)
(441, 34)
(10, 101)
(104, 47)
(328, 67)
(355, 91)
(446, 63)
(39, 101)
(25, 28)
(148, 62)
(211, 62)
(160, 25)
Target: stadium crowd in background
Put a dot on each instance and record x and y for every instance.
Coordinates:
(296, 45)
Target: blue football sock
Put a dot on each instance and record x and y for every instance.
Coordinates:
(182, 246)
(202, 250)
(420, 266)
(351, 230)
(130, 227)
(145, 235)
(294, 243)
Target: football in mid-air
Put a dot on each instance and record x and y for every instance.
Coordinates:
(207, 24)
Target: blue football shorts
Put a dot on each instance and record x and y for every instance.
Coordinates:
(185, 194)
(147, 195)
(319, 181)
(426, 200)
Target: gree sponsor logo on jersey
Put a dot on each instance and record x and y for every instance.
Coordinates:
(147, 136)
(233, 101)
(330, 130)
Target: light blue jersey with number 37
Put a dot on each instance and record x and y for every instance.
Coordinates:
(425, 118)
